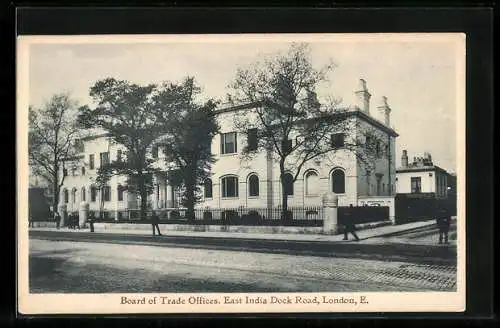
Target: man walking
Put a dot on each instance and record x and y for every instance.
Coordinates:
(443, 221)
(58, 219)
(91, 220)
(154, 222)
(349, 224)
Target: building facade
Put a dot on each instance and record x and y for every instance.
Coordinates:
(421, 176)
(238, 181)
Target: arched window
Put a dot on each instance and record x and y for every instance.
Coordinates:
(229, 186)
(83, 196)
(338, 181)
(253, 186)
(119, 191)
(288, 179)
(312, 183)
(66, 195)
(93, 194)
(73, 195)
(208, 188)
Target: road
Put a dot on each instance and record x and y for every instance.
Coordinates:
(99, 262)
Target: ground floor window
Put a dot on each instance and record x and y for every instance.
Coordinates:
(338, 181)
(229, 186)
(253, 186)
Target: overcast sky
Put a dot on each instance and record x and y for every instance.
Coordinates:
(418, 78)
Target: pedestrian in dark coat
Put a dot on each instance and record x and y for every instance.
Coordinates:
(154, 222)
(71, 221)
(77, 221)
(349, 224)
(443, 222)
(58, 220)
(91, 220)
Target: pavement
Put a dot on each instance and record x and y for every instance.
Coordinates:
(394, 233)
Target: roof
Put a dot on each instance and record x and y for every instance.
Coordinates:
(231, 107)
(420, 169)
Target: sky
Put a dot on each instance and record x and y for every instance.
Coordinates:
(418, 76)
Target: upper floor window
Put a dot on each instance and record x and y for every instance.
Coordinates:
(416, 185)
(228, 143)
(337, 140)
(252, 139)
(229, 186)
(288, 179)
(104, 157)
(119, 155)
(338, 181)
(91, 161)
(83, 196)
(65, 172)
(73, 171)
(79, 146)
(208, 188)
(253, 186)
(66, 195)
(83, 170)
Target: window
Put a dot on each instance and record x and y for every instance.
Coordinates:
(73, 171)
(416, 185)
(312, 183)
(83, 170)
(154, 151)
(377, 148)
(104, 158)
(66, 196)
(83, 194)
(288, 179)
(79, 146)
(229, 187)
(253, 186)
(337, 140)
(73, 195)
(119, 155)
(286, 146)
(208, 188)
(338, 181)
(65, 172)
(252, 139)
(379, 185)
(93, 194)
(228, 143)
(106, 193)
(119, 192)
(91, 161)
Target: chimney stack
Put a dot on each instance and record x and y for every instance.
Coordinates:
(363, 97)
(385, 111)
(404, 159)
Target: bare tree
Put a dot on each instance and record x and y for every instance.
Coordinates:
(51, 141)
(286, 120)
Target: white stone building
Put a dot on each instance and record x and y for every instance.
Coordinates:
(421, 176)
(236, 182)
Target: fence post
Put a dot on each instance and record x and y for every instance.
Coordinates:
(83, 213)
(330, 207)
(63, 212)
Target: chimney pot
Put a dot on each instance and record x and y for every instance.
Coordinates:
(363, 97)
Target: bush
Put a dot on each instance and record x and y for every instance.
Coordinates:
(207, 215)
(252, 218)
(230, 216)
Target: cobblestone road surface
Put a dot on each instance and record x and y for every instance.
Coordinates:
(76, 267)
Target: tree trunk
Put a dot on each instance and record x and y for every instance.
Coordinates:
(284, 200)
(55, 191)
(144, 200)
(189, 195)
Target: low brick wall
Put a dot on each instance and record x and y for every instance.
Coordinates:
(222, 228)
